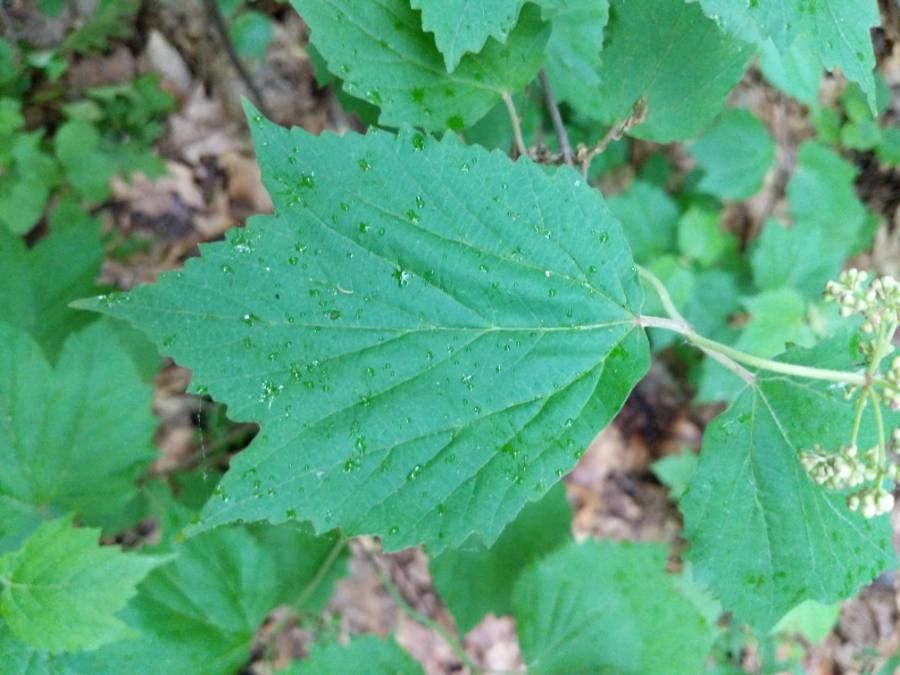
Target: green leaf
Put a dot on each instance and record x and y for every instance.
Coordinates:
(86, 166)
(599, 606)
(811, 619)
(474, 580)
(251, 33)
(73, 438)
(379, 50)
(462, 26)
(889, 149)
(667, 53)
(649, 218)
(110, 19)
(36, 289)
(701, 238)
(61, 591)
(573, 52)
(428, 327)
(837, 31)
(380, 656)
(29, 176)
(52, 7)
(734, 154)
(675, 471)
(797, 70)
(199, 613)
(762, 534)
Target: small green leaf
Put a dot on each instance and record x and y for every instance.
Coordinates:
(86, 166)
(811, 619)
(701, 238)
(649, 218)
(599, 607)
(674, 58)
(29, 176)
(428, 327)
(380, 656)
(52, 8)
(61, 591)
(797, 70)
(838, 31)
(199, 613)
(474, 580)
(73, 438)
(762, 534)
(675, 471)
(251, 33)
(379, 51)
(462, 26)
(36, 289)
(734, 154)
(573, 52)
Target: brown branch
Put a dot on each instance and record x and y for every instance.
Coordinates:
(561, 134)
(218, 22)
(586, 155)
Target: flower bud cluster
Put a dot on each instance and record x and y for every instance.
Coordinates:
(871, 501)
(849, 469)
(844, 469)
(878, 302)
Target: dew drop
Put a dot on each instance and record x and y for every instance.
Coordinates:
(414, 472)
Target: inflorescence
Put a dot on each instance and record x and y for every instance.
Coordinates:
(869, 475)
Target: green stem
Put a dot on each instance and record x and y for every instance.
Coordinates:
(879, 425)
(678, 324)
(857, 418)
(844, 377)
(321, 573)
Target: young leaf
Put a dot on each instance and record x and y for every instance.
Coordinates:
(28, 177)
(378, 655)
(379, 50)
(428, 334)
(600, 607)
(836, 30)
(649, 218)
(797, 71)
(674, 58)
(474, 580)
(761, 533)
(73, 438)
(199, 613)
(35, 289)
(573, 52)
(734, 154)
(462, 26)
(61, 591)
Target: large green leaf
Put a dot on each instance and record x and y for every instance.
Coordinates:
(61, 591)
(199, 613)
(601, 607)
(428, 334)
(379, 51)
(837, 31)
(375, 655)
(462, 26)
(762, 534)
(36, 288)
(734, 154)
(72, 438)
(474, 580)
(573, 52)
(669, 54)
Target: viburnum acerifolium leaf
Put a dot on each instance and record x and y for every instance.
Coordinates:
(381, 54)
(762, 535)
(428, 334)
(463, 26)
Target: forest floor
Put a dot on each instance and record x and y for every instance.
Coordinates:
(212, 184)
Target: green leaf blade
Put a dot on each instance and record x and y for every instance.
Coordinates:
(787, 540)
(598, 606)
(382, 56)
(61, 591)
(462, 26)
(428, 335)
